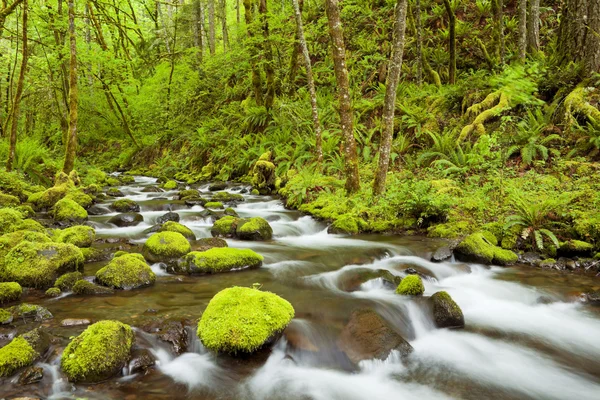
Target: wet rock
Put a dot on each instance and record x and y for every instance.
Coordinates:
(368, 336)
(255, 228)
(194, 201)
(114, 192)
(530, 258)
(169, 331)
(297, 339)
(441, 254)
(208, 243)
(231, 212)
(215, 187)
(153, 228)
(125, 206)
(98, 210)
(225, 197)
(152, 189)
(446, 313)
(31, 375)
(31, 311)
(141, 360)
(83, 287)
(592, 297)
(127, 219)
(353, 279)
(75, 322)
(170, 216)
(23, 350)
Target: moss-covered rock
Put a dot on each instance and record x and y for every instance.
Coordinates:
(83, 287)
(6, 317)
(216, 260)
(446, 313)
(214, 205)
(347, 224)
(224, 227)
(99, 353)
(29, 225)
(10, 291)
(187, 193)
(226, 197)
(80, 197)
(47, 199)
(114, 192)
(411, 285)
(128, 271)
(6, 200)
(17, 354)
(125, 206)
(171, 226)
(216, 186)
(481, 247)
(242, 320)
(79, 235)
(53, 292)
(208, 243)
(39, 264)
(165, 247)
(230, 212)
(170, 185)
(576, 248)
(26, 211)
(66, 281)
(255, 228)
(10, 240)
(9, 218)
(263, 174)
(66, 211)
(31, 311)
(254, 192)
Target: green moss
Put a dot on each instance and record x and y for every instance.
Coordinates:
(53, 292)
(39, 264)
(412, 285)
(577, 247)
(548, 262)
(81, 198)
(79, 235)
(6, 317)
(450, 230)
(6, 200)
(221, 259)
(126, 272)
(10, 291)
(346, 224)
(231, 212)
(481, 247)
(263, 175)
(166, 246)
(119, 253)
(29, 225)
(83, 287)
(224, 227)
(47, 199)
(170, 185)
(242, 320)
(98, 353)
(188, 193)
(172, 226)
(9, 218)
(66, 281)
(254, 192)
(125, 205)
(225, 197)
(114, 192)
(10, 240)
(68, 211)
(214, 204)
(92, 189)
(255, 228)
(26, 211)
(17, 354)
(112, 181)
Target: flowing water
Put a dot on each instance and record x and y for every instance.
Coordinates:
(526, 337)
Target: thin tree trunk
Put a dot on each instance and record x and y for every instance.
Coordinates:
(579, 35)
(197, 24)
(223, 7)
(498, 10)
(268, 53)
(256, 77)
(19, 93)
(389, 105)
(419, 30)
(211, 26)
(71, 148)
(533, 31)
(522, 13)
(311, 82)
(296, 51)
(345, 101)
(452, 29)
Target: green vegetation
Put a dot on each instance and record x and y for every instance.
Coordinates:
(18, 353)
(125, 205)
(213, 204)
(172, 226)
(220, 259)
(483, 247)
(411, 285)
(166, 247)
(255, 228)
(79, 235)
(10, 291)
(128, 271)
(65, 282)
(53, 292)
(68, 211)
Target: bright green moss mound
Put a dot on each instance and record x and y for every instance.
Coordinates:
(39, 264)
(79, 235)
(214, 204)
(6, 200)
(188, 193)
(172, 226)
(482, 247)
(125, 205)
(226, 197)
(48, 198)
(8, 219)
(53, 292)
(170, 185)
(6, 316)
(65, 282)
(80, 197)
(10, 291)
(412, 285)
(242, 320)
(98, 353)
(224, 227)
(29, 225)
(219, 259)
(68, 211)
(18, 353)
(577, 247)
(256, 228)
(165, 246)
(10, 240)
(126, 272)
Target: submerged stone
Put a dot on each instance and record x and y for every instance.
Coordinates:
(128, 219)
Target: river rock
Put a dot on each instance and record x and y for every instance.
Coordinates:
(215, 187)
(441, 254)
(255, 228)
(172, 226)
(219, 259)
(446, 313)
(114, 192)
(152, 189)
(83, 287)
(530, 258)
(75, 322)
(194, 201)
(23, 350)
(165, 247)
(127, 219)
(69, 212)
(576, 248)
(98, 210)
(351, 280)
(141, 360)
(170, 331)
(368, 336)
(125, 206)
(482, 247)
(170, 216)
(208, 243)
(592, 297)
(128, 271)
(31, 375)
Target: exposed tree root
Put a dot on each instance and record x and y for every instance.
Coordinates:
(493, 105)
(576, 105)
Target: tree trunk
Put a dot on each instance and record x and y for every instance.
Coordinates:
(296, 51)
(345, 101)
(311, 82)
(579, 35)
(198, 30)
(71, 148)
(389, 105)
(18, 94)
(5, 11)
(452, 29)
(211, 26)
(522, 13)
(268, 53)
(419, 31)
(256, 77)
(223, 7)
(498, 9)
(533, 32)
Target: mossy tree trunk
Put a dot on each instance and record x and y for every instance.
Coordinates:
(198, 42)
(71, 147)
(310, 81)
(336, 32)
(249, 6)
(522, 16)
(419, 35)
(211, 27)
(498, 10)
(389, 105)
(533, 26)
(268, 54)
(19, 93)
(452, 38)
(223, 8)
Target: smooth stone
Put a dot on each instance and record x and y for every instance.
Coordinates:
(170, 216)
(98, 210)
(75, 322)
(31, 375)
(126, 219)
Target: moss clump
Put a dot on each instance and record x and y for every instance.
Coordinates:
(83, 287)
(170, 185)
(98, 353)
(347, 224)
(10, 240)
(576, 247)
(126, 272)
(450, 230)
(17, 354)
(263, 175)
(53, 292)
(166, 247)
(225, 197)
(172, 226)
(68, 211)
(29, 225)
(230, 212)
(548, 262)
(80, 197)
(188, 193)
(39, 264)
(65, 282)
(125, 205)
(412, 285)
(6, 317)
(219, 259)
(255, 228)
(114, 192)
(242, 320)
(10, 291)
(26, 211)
(6, 200)
(8, 219)
(47, 199)
(214, 204)
(224, 227)
(482, 247)
(254, 192)
(79, 235)
(446, 313)
(34, 311)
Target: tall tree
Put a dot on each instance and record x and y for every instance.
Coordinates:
(579, 35)
(310, 80)
(336, 32)
(452, 38)
(268, 54)
(389, 104)
(197, 29)
(5, 10)
(522, 13)
(71, 147)
(498, 10)
(419, 34)
(223, 8)
(211, 26)
(249, 6)
(19, 93)
(533, 26)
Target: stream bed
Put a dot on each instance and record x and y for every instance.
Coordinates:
(527, 335)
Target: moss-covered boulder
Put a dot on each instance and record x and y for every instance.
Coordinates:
(15, 355)
(6, 200)
(255, 228)
(411, 285)
(170, 185)
(53, 292)
(170, 216)
(574, 248)
(224, 227)
(446, 313)
(66, 281)
(208, 243)
(9, 218)
(39, 264)
(47, 199)
(128, 271)
(347, 225)
(29, 225)
(99, 353)
(242, 320)
(125, 206)
(226, 197)
(80, 197)
(231, 212)
(187, 193)
(67, 211)
(214, 205)
(31, 311)
(171, 226)
(216, 186)
(263, 174)
(482, 247)
(87, 288)
(6, 317)
(217, 260)
(10, 240)
(114, 192)
(79, 235)
(10, 291)
(166, 247)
